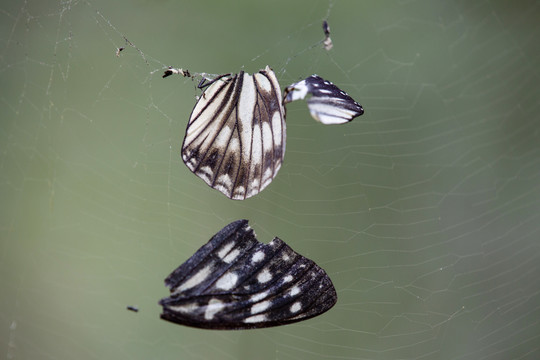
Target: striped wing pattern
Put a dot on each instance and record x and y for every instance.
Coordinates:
(236, 282)
(327, 104)
(235, 138)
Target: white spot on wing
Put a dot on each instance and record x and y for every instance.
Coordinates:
(225, 249)
(296, 307)
(204, 173)
(327, 119)
(294, 290)
(224, 184)
(267, 177)
(264, 276)
(227, 281)
(186, 308)
(259, 296)
(214, 306)
(239, 192)
(260, 307)
(255, 318)
(253, 188)
(196, 279)
(258, 256)
(232, 255)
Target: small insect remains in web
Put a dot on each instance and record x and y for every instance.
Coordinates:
(327, 42)
(170, 71)
(235, 282)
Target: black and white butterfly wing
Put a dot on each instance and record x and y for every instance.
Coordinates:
(235, 282)
(327, 104)
(235, 138)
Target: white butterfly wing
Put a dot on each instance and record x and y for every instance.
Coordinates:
(235, 139)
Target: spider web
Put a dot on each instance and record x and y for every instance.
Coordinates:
(425, 211)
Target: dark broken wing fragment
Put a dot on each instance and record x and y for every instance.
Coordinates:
(327, 104)
(235, 282)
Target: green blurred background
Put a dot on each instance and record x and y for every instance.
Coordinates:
(425, 211)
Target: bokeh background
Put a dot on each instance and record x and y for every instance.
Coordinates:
(425, 211)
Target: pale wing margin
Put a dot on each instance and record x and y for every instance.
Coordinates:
(235, 139)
